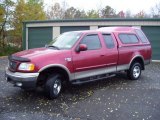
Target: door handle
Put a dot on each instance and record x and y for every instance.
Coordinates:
(101, 55)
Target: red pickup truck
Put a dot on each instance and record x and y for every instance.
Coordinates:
(80, 56)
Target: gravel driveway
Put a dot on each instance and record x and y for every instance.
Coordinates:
(112, 99)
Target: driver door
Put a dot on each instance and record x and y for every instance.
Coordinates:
(86, 63)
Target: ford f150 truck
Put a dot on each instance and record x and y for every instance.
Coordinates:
(80, 56)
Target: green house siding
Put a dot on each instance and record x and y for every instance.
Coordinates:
(39, 36)
(73, 28)
(153, 34)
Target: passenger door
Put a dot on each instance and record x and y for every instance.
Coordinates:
(110, 52)
(87, 63)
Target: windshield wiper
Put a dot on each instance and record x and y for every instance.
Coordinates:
(53, 47)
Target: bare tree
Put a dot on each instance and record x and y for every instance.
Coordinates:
(55, 12)
(140, 14)
(128, 14)
(121, 14)
(73, 13)
(108, 12)
(155, 11)
(93, 14)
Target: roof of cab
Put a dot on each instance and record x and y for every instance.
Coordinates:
(110, 29)
(117, 29)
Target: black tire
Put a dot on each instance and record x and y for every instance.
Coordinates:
(135, 71)
(53, 86)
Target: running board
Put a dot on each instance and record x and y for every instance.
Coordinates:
(92, 78)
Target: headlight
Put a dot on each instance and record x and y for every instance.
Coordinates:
(26, 66)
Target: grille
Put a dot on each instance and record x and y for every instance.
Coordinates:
(13, 65)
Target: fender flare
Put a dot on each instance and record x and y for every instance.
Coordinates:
(57, 65)
(136, 56)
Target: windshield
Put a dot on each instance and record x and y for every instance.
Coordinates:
(66, 40)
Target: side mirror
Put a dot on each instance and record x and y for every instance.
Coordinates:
(81, 47)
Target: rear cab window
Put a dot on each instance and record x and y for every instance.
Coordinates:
(141, 35)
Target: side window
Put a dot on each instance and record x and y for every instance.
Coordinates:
(92, 42)
(141, 36)
(128, 38)
(108, 41)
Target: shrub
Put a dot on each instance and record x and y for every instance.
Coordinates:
(8, 50)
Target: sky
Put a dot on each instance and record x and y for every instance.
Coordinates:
(134, 6)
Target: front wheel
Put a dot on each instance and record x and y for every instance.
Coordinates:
(53, 86)
(135, 71)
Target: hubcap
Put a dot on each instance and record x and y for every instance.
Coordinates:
(57, 87)
(136, 71)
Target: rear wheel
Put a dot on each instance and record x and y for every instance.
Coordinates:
(53, 86)
(135, 71)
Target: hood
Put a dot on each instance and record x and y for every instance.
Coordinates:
(38, 52)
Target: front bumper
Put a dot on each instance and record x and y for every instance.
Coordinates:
(23, 80)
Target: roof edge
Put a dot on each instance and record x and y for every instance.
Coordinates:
(92, 20)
